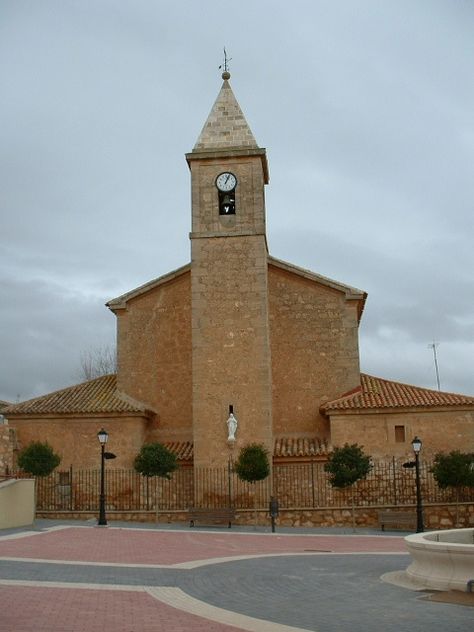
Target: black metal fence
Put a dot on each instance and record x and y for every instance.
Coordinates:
(297, 486)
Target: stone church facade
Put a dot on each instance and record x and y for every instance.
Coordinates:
(237, 327)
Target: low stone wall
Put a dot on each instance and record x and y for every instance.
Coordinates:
(443, 516)
(436, 516)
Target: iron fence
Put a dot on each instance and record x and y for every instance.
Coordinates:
(303, 486)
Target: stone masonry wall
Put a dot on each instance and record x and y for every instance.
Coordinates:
(230, 337)
(7, 448)
(75, 439)
(314, 348)
(154, 356)
(231, 352)
(435, 516)
(249, 197)
(440, 431)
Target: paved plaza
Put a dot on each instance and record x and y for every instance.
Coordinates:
(77, 577)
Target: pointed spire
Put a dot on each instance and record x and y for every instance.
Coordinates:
(226, 126)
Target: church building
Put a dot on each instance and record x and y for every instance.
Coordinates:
(238, 334)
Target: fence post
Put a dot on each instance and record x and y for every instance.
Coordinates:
(312, 483)
(71, 488)
(394, 482)
(229, 471)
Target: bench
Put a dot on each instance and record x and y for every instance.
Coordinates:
(222, 514)
(397, 519)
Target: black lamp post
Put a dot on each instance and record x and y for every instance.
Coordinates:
(103, 437)
(416, 445)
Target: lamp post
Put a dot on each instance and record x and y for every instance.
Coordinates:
(103, 437)
(416, 445)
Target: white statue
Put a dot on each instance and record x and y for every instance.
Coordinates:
(231, 427)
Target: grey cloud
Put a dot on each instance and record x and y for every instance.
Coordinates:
(366, 113)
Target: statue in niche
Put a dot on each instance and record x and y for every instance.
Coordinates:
(231, 427)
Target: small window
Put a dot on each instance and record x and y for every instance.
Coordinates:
(399, 434)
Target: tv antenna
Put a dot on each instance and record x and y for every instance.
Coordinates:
(433, 346)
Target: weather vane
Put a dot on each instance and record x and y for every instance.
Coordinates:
(225, 66)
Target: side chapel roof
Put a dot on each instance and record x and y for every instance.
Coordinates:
(95, 396)
(375, 393)
(283, 448)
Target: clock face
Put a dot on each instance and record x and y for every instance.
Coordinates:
(226, 181)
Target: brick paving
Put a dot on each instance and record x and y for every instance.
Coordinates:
(28, 609)
(128, 546)
(144, 580)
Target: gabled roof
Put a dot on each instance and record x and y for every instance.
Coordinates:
(376, 393)
(121, 301)
(226, 127)
(351, 293)
(95, 396)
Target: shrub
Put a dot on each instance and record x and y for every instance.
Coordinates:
(155, 460)
(38, 459)
(253, 463)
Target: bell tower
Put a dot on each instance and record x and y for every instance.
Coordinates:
(231, 363)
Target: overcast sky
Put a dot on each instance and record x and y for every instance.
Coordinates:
(366, 110)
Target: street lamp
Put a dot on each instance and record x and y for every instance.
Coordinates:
(416, 445)
(103, 437)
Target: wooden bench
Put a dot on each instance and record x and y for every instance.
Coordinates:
(222, 514)
(397, 518)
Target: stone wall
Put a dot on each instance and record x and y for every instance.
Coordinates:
(230, 337)
(75, 438)
(7, 449)
(231, 354)
(435, 516)
(154, 355)
(440, 430)
(314, 349)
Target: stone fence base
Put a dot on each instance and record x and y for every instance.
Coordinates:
(435, 516)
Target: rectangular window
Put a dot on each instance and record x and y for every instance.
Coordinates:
(399, 434)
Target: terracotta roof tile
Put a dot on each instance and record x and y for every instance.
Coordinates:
(95, 396)
(299, 446)
(182, 449)
(376, 392)
(283, 447)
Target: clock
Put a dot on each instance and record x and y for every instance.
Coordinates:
(226, 181)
